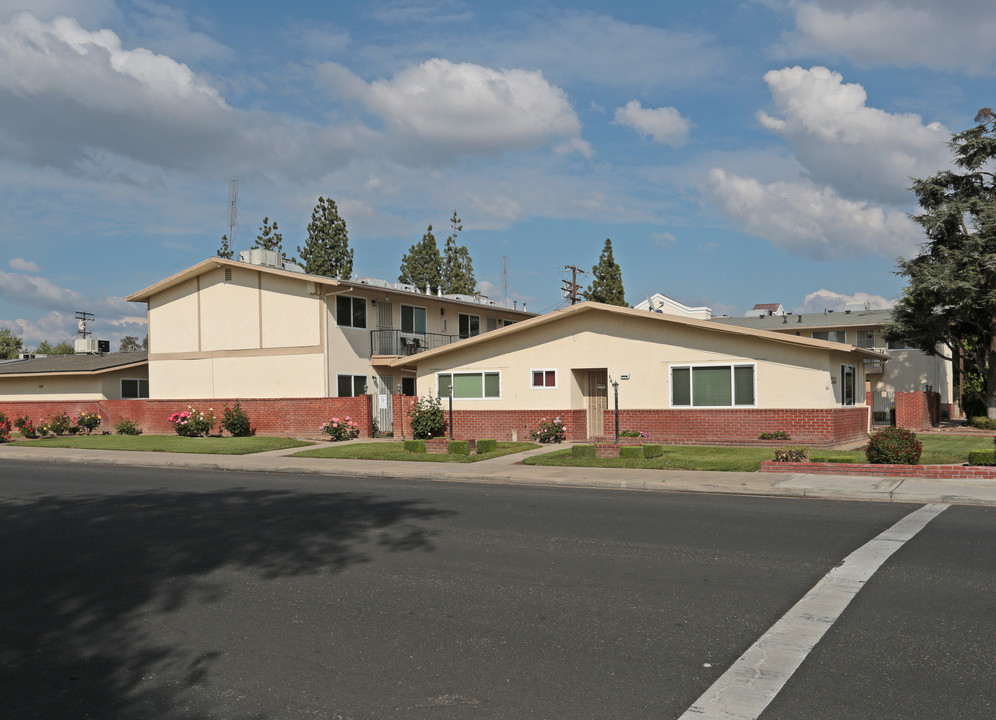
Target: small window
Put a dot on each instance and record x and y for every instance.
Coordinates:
(134, 389)
(350, 311)
(831, 335)
(352, 385)
(544, 378)
(412, 319)
(847, 384)
(470, 385)
(470, 325)
(408, 386)
(713, 386)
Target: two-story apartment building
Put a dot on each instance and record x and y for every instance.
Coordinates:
(908, 369)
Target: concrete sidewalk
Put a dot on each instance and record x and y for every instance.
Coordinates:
(509, 470)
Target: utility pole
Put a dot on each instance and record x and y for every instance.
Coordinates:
(571, 286)
(233, 213)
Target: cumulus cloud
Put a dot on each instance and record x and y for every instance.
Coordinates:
(22, 264)
(862, 152)
(907, 33)
(828, 300)
(813, 221)
(665, 125)
(73, 97)
(466, 107)
(39, 292)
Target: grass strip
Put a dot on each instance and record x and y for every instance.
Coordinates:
(396, 451)
(168, 443)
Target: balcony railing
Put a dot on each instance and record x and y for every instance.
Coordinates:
(398, 342)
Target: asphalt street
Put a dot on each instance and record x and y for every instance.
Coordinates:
(185, 593)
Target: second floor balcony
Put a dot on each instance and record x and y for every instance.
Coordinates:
(400, 342)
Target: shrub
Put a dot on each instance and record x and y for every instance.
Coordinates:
(982, 457)
(86, 422)
(338, 430)
(792, 454)
(192, 422)
(236, 422)
(631, 451)
(428, 418)
(58, 424)
(652, 451)
(4, 428)
(584, 452)
(486, 446)
(124, 426)
(880, 415)
(458, 447)
(415, 446)
(981, 422)
(894, 446)
(25, 427)
(549, 431)
(776, 435)
(633, 434)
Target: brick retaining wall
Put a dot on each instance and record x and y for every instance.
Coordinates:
(931, 472)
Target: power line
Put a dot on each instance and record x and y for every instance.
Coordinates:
(570, 287)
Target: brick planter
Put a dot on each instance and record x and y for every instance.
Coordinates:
(439, 446)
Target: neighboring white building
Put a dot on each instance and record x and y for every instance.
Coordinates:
(660, 303)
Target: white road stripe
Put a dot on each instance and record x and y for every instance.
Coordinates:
(753, 681)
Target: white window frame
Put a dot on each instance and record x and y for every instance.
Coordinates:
(140, 396)
(556, 379)
(691, 389)
(352, 383)
(844, 367)
(482, 373)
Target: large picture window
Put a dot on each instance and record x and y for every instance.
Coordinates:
(831, 335)
(134, 389)
(470, 385)
(412, 319)
(712, 386)
(350, 311)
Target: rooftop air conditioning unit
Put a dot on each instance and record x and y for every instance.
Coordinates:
(86, 346)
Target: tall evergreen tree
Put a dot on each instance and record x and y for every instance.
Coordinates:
(326, 251)
(269, 238)
(458, 268)
(225, 251)
(130, 343)
(607, 285)
(949, 305)
(421, 266)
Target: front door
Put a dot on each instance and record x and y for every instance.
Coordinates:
(597, 397)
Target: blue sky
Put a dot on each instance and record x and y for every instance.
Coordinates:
(734, 152)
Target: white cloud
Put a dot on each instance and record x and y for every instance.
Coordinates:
(22, 264)
(862, 152)
(907, 33)
(87, 12)
(828, 300)
(665, 124)
(813, 221)
(39, 292)
(466, 107)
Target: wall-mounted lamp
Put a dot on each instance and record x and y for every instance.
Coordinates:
(442, 311)
(374, 303)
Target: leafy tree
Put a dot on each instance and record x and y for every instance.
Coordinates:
(62, 348)
(607, 285)
(326, 251)
(421, 266)
(225, 251)
(269, 238)
(458, 268)
(129, 343)
(949, 306)
(10, 344)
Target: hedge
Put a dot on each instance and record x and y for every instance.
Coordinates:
(652, 451)
(415, 446)
(486, 446)
(458, 447)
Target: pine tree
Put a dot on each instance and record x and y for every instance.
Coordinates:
(326, 251)
(129, 343)
(421, 266)
(225, 251)
(949, 305)
(269, 238)
(607, 285)
(458, 268)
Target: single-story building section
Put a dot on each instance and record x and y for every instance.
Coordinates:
(111, 376)
(679, 379)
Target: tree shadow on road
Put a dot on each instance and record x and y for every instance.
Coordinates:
(79, 571)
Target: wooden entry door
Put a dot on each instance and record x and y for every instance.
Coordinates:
(597, 396)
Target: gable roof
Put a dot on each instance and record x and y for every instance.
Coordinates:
(75, 364)
(644, 316)
(332, 283)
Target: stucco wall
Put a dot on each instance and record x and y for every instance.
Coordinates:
(67, 387)
(786, 376)
(260, 376)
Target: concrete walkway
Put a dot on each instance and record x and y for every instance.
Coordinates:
(509, 470)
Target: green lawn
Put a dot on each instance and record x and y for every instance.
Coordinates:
(937, 450)
(396, 451)
(168, 443)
